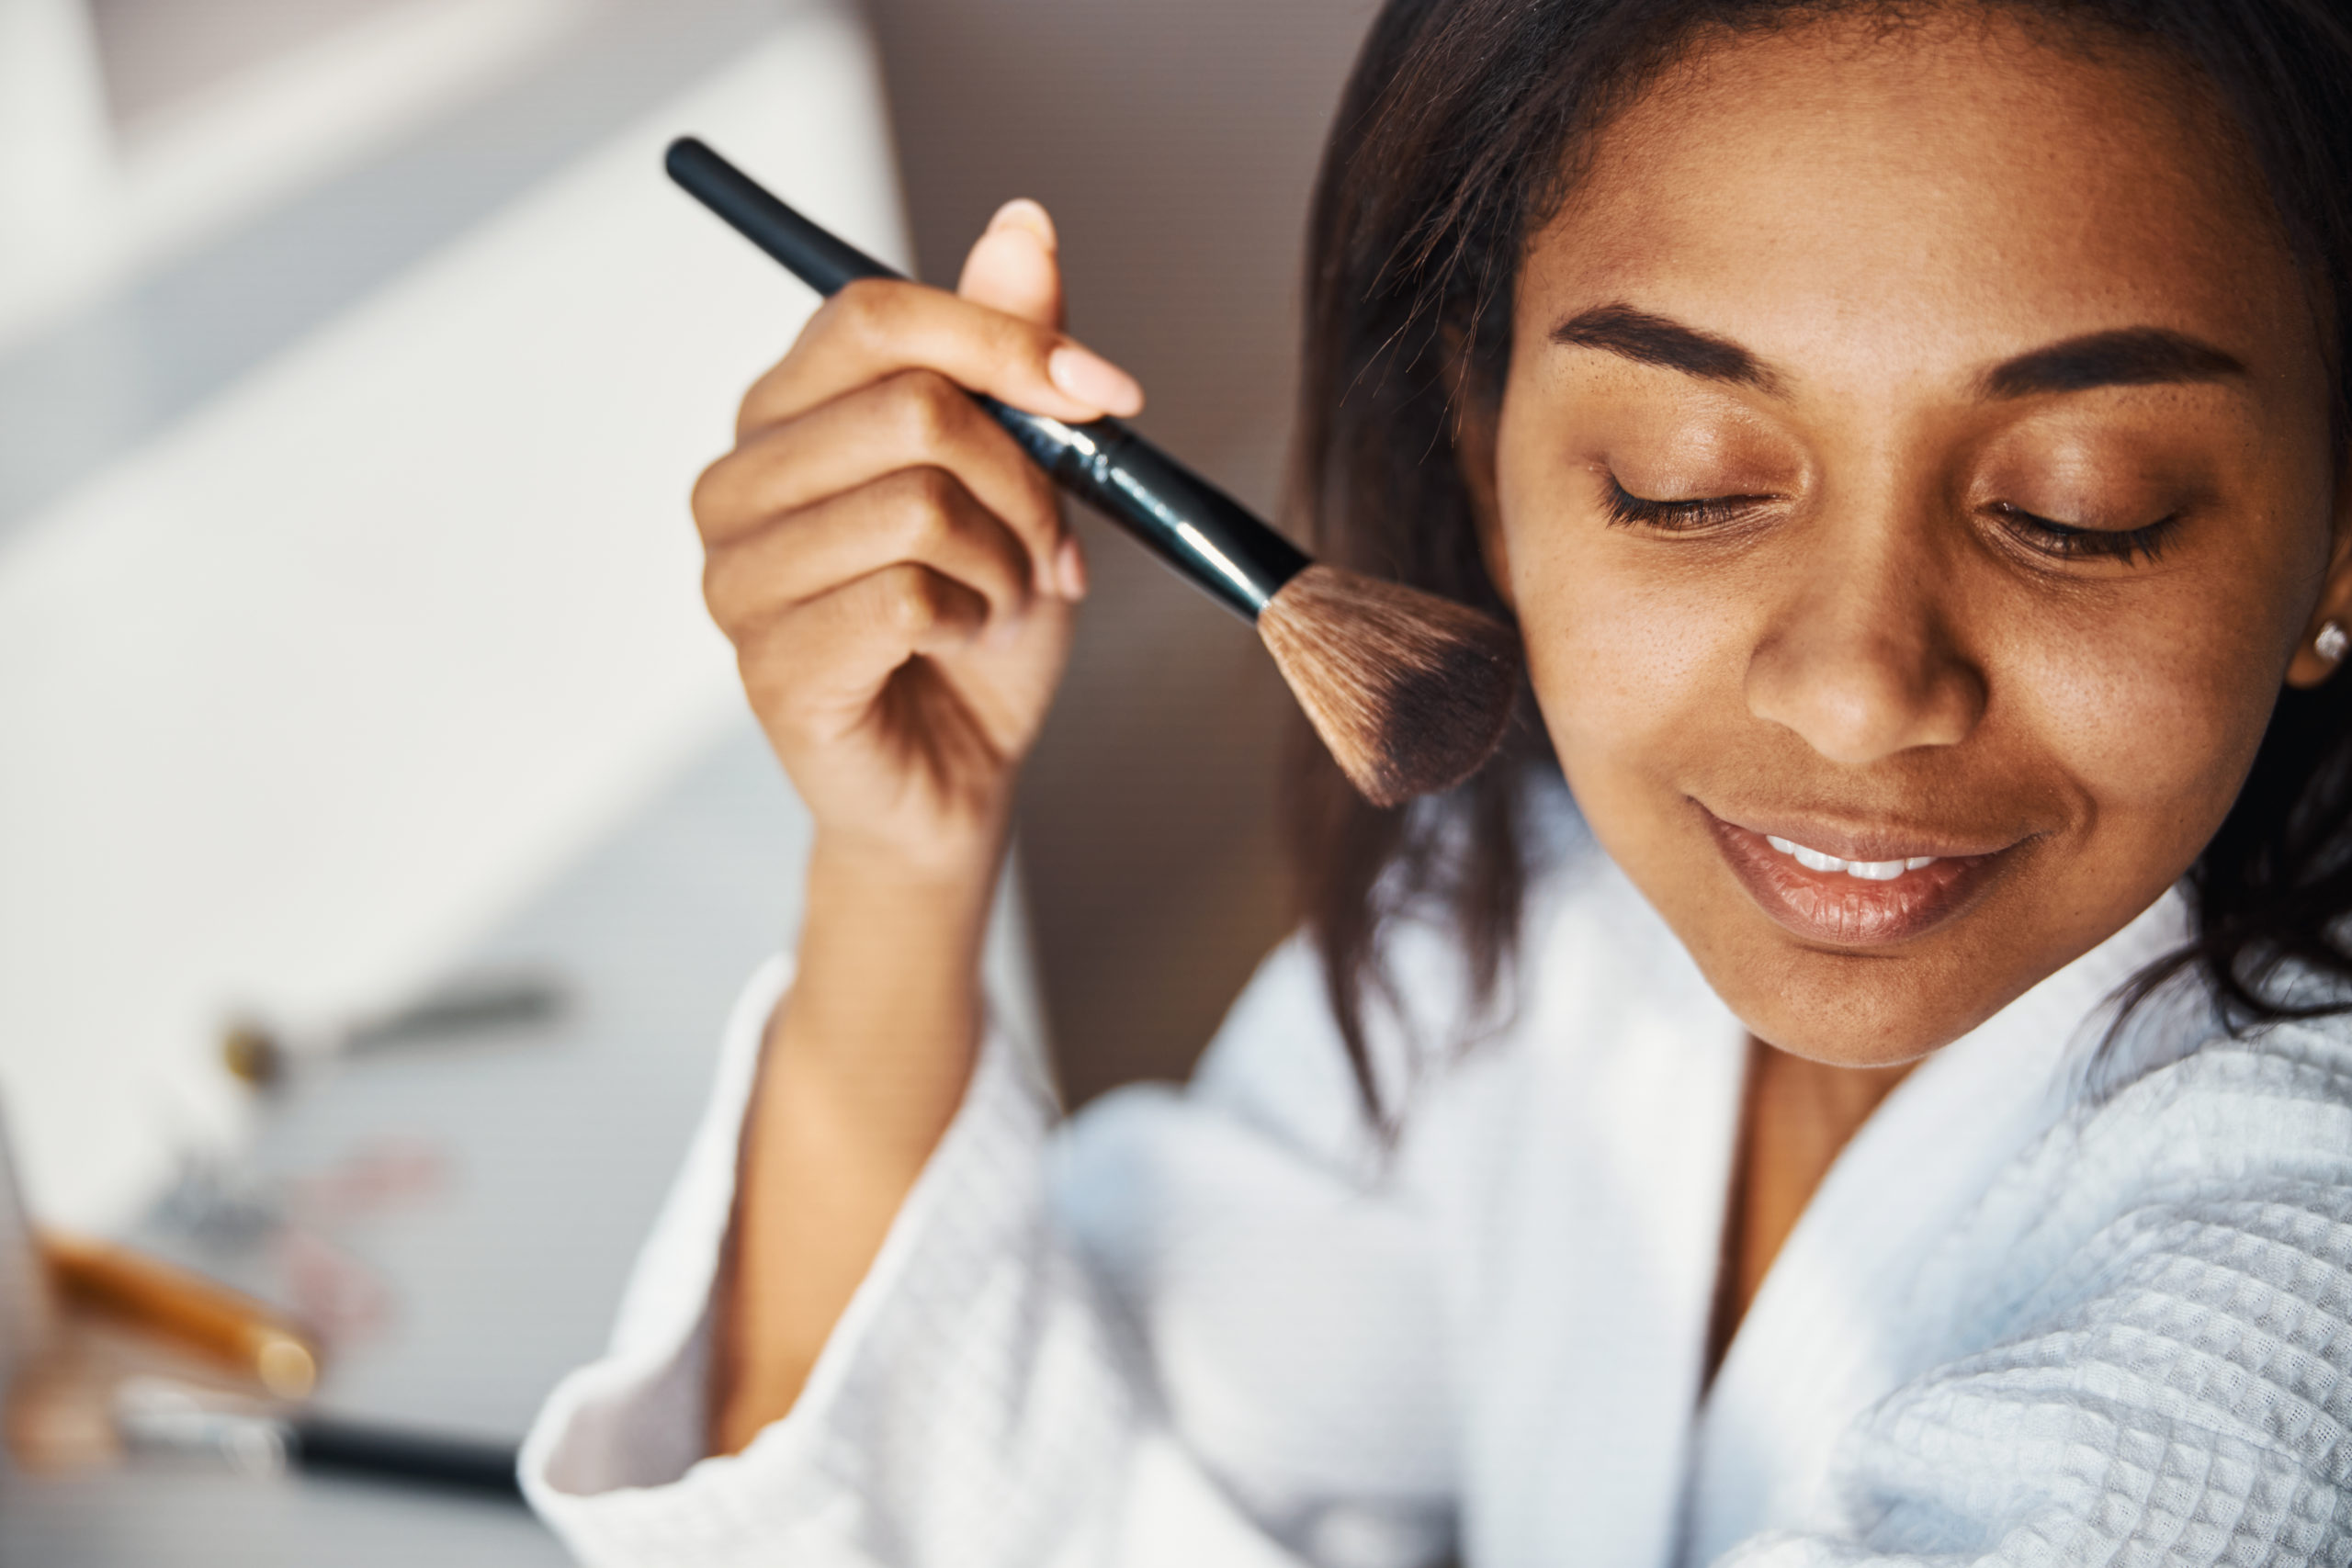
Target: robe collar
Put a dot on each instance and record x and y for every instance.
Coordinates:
(1827, 1334)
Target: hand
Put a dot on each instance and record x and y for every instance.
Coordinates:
(894, 573)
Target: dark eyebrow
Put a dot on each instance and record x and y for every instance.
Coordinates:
(2129, 357)
(1660, 340)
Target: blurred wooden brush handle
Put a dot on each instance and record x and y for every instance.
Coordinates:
(185, 1307)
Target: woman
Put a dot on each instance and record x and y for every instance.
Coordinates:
(1898, 1112)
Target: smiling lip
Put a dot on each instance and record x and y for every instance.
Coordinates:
(1845, 910)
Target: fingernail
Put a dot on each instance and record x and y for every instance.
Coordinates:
(1070, 566)
(1023, 214)
(1091, 378)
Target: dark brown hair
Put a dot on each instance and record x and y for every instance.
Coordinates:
(1458, 136)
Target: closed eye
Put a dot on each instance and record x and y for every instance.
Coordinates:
(1627, 510)
(2068, 541)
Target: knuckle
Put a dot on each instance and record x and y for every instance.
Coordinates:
(909, 606)
(733, 608)
(928, 406)
(715, 594)
(1028, 344)
(708, 499)
(752, 411)
(862, 312)
(748, 409)
(1022, 345)
(927, 505)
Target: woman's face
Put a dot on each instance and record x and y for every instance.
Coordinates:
(1915, 453)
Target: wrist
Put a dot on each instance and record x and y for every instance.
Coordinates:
(885, 1006)
(942, 856)
(959, 868)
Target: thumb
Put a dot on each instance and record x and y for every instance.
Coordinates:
(1013, 266)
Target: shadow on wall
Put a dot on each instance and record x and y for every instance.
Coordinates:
(1175, 142)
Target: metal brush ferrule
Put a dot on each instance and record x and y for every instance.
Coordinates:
(1188, 522)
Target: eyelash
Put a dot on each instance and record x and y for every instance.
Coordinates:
(1630, 511)
(2129, 546)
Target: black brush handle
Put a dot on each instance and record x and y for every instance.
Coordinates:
(318, 1443)
(817, 256)
(1198, 529)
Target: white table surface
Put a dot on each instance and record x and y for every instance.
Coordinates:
(558, 1143)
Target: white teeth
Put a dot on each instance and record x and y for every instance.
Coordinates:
(1867, 870)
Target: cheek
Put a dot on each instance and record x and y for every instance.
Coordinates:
(1623, 660)
(2154, 710)
(2152, 694)
(1635, 648)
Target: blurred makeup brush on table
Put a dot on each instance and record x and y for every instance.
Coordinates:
(156, 1418)
(240, 1334)
(265, 1054)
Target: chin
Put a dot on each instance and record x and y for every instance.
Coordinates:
(1851, 1009)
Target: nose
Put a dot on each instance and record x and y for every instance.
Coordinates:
(1860, 662)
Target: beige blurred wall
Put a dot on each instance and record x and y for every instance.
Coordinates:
(1175, 141)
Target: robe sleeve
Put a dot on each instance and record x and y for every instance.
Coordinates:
(2177, 1389)
(1188, 1327)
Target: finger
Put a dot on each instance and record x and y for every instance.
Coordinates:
(1071, 575)
(877, 327)
(834, 653)
(1015, 267)
(915, 419)
(922, 516)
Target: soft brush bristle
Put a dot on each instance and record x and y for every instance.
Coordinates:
(1410, 691)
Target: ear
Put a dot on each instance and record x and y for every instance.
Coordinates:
(1476, 417)
(2309, 667)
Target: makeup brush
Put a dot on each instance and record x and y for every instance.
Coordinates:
(1410, 691)
(155, 1416)
(185, 1308)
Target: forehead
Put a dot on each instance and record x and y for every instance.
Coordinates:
(1951, 189)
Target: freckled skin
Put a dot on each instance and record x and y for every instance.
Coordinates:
(1880, 219)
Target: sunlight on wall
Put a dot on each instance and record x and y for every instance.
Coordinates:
(85, 203)
(303, 694)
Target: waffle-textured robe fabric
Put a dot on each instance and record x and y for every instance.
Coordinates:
(2024, 1321)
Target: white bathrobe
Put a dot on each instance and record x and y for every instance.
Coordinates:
(2024, 1320)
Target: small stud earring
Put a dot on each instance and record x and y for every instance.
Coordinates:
(2332, 641)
